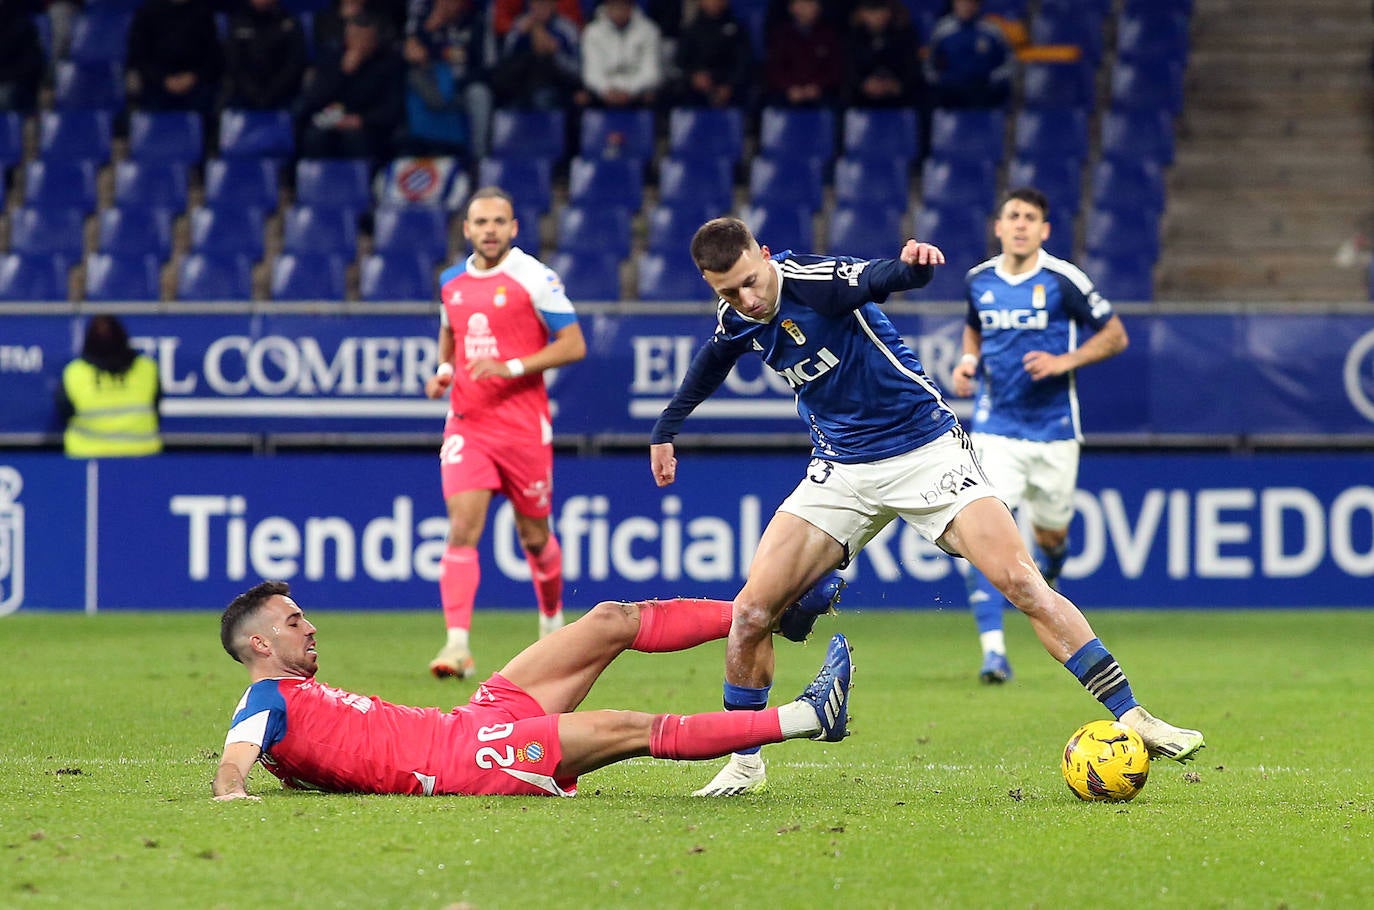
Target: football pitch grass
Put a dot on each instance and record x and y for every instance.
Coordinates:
(947, 794)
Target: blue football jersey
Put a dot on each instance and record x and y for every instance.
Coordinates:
(860, 389)
(1040, 310)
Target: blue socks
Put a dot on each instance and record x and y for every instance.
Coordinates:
(1051, 562)
(1102, 676)
(744, 698)
(986, 602)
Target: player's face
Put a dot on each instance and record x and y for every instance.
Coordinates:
(751, 285)
(290, 635)
(490, 227)
(1022, 228)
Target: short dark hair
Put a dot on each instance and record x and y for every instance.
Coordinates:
(245, 607)
(718, 244)
(489, 192)
(1029, 195)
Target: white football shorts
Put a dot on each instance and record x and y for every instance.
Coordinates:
(1040, 475)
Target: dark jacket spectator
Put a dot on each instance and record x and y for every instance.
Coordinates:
(449, 49)
(884, 68)
(330, 25)
(354, 105)
(805, 58)
(969, 62)
(539, 65)
(714, 57)
(266, 56)
(175, 55)
(21, 58)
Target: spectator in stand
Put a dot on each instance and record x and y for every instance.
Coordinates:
(21, 58)
(505, 13)
(265, 57)
(449, 48)
(884, 67)
(539, 66)
(330, 25)
(175, 60)
(714, 57)
(622, 56)
(354, 105)
(804, 58)
(969, 62)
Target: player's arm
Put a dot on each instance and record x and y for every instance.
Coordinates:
(966, 370)
(437, 385)
(712, 363)
(1111, 339)
(858, 283)
(232, 774)
(567, 346)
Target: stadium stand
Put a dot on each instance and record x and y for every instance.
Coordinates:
(781, 227)
(214, 276)
(256, 134)
(606, 182)
(887, 133)
(796, 184)
(308, 276)
(76, 136)
(528, 134)
(587, 276)
(594, 228)
(788, 135)
(711, 133)
(227, 229)
(115, 276)
(865, 231)
(706, 181)
(671, 226)
(47, 232)
(398, 275)
(174, 136)
(668, 276)
(25, 276)
(134, 231)
(531, 178)
(612, 132)
(334, 182)
(422, 230)
(88, 86)
(320, 229)
(871, 181)
(247, 182)
(160, 185)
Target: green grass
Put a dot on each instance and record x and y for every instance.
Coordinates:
(947, 795)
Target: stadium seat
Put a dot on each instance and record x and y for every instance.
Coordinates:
(668, 276)
(797, 183)
(54, 184)
(48, 232)
(1122, 278)
(587, 276)
(947, 283)
(134, 231)
(1116, 232)
(706, 132)
(886, 133)
(594, 228)
(960, 233)
(950, 183)
(1128, 184)
(334, 183)
(1063, 239)
(968, 133)
(1078, 26)
(256, 134)
(707, 181)
(1143, 134)
(36, 277)
(528, 134)
(401, 275)
(1049, 85)
(11, 138)
(249, 182)
(1045, 132)
(781, 227)
(617, 132)
(672, 225)
(531, 179)
(161, 185)
(88, 86)
(865, 232)
(1147, 84)
(413, 230)
(308, 276)
(320, 229)
(1156, 34)
(1058, 178)
(606, 182)
(123, 277)
(227, 229)
(876, 181)
(100, 35)
(75, 136)
(792, 134)
(166, 136)
(214, 276)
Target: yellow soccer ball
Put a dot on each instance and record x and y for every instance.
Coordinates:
(1106, 760)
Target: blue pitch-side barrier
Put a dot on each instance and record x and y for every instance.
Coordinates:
(367, 531)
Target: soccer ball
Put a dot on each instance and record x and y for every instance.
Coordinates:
(1106, 760)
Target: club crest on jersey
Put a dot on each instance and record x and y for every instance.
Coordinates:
(499, 299)
(794, 330)
(1038, 297)
(455, 297)
(530, 752)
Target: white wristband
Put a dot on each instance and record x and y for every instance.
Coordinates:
(971, 359)
(516, 366)
(444, 370)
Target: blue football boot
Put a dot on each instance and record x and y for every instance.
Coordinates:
(828, 693)
(799, 619)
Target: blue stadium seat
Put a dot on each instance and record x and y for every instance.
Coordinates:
(707, 181)
(781, 227)
(161, 184)
(249, 182)
(706, 132)
(227, 229)
(968, 133)
(1144, 134)
(412, 230)
(1044, 132)
(947, 284)
(1157, 34)
(320, 229)
(100, 35)
(528, 134)
(60, 184)
(606, 182)
(402, 275)
(617, 132)
(1121, 278)
(672, 225)
(308, 276)
(256, 134)
(949, 183)
(594, 228)
(961, 233)
(88, 86)
(134, 230)
(877, 181)
(531, 179)
(334, 182)
(587, 276)
(1147, 84)
(789, 183)
(790, 134)
(1061, 179)
(11, 138)
(36, 277)
(166, 136)
(48, 232)
(75, 136)
(1128, 184)
(865, 231)
(888, 133)
(668, 276)
(1058, 85)
(1063, 239)
(1117, 231)
(214, 276)
(110, 276)
(1078, 26)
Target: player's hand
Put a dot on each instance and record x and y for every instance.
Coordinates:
(1043, 364)
(962, 376)
(915, 252)
(663, 463)
(437, 385)
(487, 368)
(233, 795)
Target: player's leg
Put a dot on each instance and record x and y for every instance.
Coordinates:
(527, 481)
(460, 572)
(1005, 466)
(1051, 481)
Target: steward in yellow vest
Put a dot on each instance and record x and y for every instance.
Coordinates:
(110, 397)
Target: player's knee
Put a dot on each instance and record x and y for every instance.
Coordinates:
(616, 620)
(753, 618)
(1026, 589)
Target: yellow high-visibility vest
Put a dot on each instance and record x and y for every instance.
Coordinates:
(116, 416)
